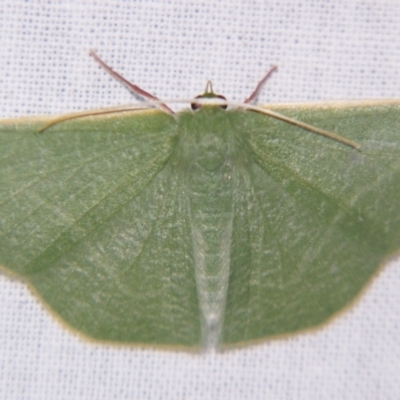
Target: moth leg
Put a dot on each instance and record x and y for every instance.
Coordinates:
(134, 88)
(258, 88)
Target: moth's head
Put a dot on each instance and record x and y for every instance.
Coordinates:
(208, 94)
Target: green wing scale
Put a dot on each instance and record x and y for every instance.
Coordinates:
(213, 228)
(314, 218)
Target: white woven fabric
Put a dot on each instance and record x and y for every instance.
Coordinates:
(325, 50)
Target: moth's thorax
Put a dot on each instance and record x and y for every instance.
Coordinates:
(206, 137)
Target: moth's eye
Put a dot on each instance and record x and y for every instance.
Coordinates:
(197, 106)
(225, 106)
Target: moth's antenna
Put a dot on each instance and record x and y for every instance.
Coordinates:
(307, 127)
(129, 85)
(258, 88)
(90, 113)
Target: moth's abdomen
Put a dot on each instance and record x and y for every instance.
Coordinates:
(209, 194)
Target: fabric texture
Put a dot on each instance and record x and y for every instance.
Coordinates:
(325, 50)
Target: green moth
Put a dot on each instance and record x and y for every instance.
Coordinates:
(210, 227)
